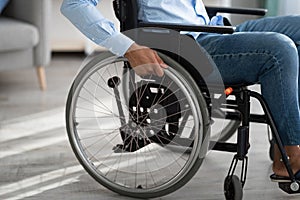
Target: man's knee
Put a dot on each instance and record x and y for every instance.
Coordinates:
(281, 52)
(280, 44)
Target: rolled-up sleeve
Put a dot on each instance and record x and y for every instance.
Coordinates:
(88, 19)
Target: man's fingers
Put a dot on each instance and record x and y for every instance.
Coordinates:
(160, 61)
(158, 70)
(163, 65)
(145, 61)
(149, 69)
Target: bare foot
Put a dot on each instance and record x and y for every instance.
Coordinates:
(294, 157)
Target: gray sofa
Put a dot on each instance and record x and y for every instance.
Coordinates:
(24, 41)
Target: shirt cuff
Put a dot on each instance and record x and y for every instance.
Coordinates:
(118, 44)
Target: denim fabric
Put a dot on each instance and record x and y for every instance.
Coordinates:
(264, 51)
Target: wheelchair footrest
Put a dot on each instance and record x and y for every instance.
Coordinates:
(290, 187)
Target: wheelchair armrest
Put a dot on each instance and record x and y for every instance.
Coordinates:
(212, 11)
(203, 28)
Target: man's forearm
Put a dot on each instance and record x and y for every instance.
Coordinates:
(88, 19)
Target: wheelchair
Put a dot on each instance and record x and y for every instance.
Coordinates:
(146, 137)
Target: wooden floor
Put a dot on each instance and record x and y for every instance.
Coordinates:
(36, 161)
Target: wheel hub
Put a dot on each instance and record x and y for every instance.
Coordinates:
(154, 116)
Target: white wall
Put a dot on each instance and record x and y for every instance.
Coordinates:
(65, 37)
(63, 34)
(217, 2)
(289, 7)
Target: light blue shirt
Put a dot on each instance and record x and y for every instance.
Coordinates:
(87, 18)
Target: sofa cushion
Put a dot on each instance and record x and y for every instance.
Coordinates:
(17, 35)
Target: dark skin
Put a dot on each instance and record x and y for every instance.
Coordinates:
(294, 156)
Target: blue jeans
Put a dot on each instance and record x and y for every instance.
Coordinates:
(264, 51)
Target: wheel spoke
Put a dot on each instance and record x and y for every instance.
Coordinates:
(147, 153)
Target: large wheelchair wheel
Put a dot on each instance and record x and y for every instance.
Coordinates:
(146, 146)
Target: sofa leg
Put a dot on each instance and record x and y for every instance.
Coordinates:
(42, 77)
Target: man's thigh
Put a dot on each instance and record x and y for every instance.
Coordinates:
(244, 57)
(287, 25)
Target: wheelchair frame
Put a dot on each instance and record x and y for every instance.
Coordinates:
(126, 12)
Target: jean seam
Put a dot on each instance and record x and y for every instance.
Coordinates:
(289, 136)
(278, 70)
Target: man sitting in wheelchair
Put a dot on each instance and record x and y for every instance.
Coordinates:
(264, 51)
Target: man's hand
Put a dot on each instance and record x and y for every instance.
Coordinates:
(145, 61)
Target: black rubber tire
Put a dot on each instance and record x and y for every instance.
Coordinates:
(233, 189)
